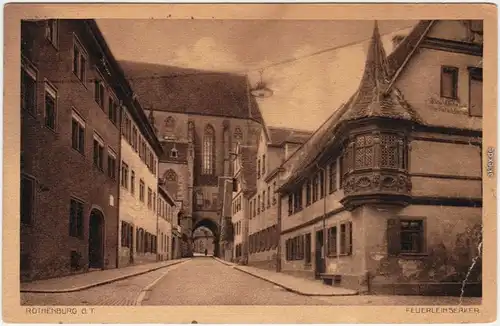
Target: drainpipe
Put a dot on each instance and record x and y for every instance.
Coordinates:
(157, 220)
(324, 215)
(118, 184)
(278, 227)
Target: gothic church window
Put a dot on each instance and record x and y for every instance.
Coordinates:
(208, 150)
(238, 137)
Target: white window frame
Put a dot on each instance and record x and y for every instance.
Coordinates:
(52, 91)
(31, 70)
(76, 116)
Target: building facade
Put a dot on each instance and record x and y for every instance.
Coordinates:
(274, 146)
(166, 209)
(140, 150)
(70, 149)
(380, 207)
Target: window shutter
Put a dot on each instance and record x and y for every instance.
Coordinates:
(349, 238)
(393, 237)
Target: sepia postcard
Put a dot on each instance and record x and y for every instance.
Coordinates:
(250, 163)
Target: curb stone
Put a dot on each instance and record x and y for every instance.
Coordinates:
(147, 289)
(108, 281)
(224, 262)
(293, 290)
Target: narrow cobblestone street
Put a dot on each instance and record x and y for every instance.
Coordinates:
(205, 281)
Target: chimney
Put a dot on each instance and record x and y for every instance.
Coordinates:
(396, 40)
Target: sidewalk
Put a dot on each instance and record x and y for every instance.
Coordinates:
(294, 284)
(88, 280)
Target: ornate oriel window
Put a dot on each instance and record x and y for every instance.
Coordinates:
(208, 150)
(364, 152)
(375, 164)
(384, 150)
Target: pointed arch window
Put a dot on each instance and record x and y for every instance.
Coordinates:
(237, 136)
(208, 150)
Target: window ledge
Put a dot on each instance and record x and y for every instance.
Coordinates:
(77, 151)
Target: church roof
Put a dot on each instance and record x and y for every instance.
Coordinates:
(191, 91)
(375, 97)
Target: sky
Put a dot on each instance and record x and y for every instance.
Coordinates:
(306, 91)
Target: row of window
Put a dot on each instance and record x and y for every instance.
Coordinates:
(236, 205)
(145, 241)
(260, 203)
(130, 183)
(264, 240)
(364, 152)
(138, 143)
(315, 189)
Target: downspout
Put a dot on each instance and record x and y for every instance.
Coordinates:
(324, 215)
(119, 160)
(278, 229)
(157, 218)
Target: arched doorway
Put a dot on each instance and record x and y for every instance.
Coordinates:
(96, 239)
(214, 228)
(203, 241)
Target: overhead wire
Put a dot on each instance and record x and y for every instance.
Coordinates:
(236, 72)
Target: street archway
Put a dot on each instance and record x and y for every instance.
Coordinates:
(215, 230)
(203, 241)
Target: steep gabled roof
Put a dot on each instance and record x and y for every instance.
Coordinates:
(191, 91)
(279, 136)
(375, 97)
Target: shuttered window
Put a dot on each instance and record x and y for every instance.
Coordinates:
(449, 82)
(476, 92)
(405, 236)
